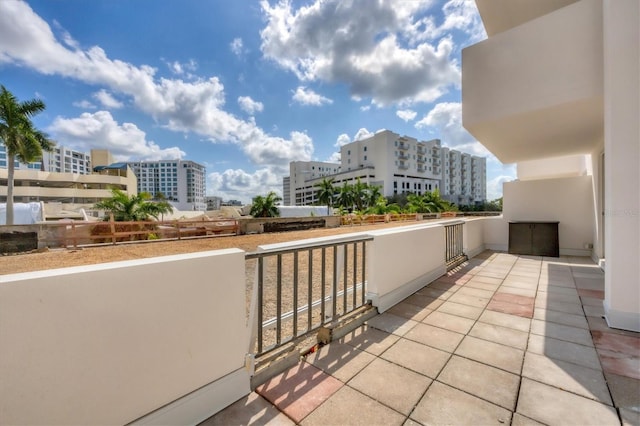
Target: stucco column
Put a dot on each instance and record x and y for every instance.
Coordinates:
(621, 19)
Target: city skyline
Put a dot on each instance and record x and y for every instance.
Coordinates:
(242, 88)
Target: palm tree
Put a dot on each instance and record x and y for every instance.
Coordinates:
(373, 195)
(265, 206)
(19, 136)
(345, 196)
(326, 193)
(138, 207)
(360, 190)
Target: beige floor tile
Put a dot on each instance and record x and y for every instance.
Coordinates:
(350, 407)
(435, 293)
(504, 336)
(630, 417)
(559, 297)
(449, 322)
(410, 311)
(489, 383)
(465, 311)
(482, 286)
(518, 291)
(369, 339)
(392, 385)
(250, 410)
(557, 290)
(444, 405)
(417, 357)
(340, 360)
(578, 321)
(571, 377)
(564, 351)
(483, 279)
(470, 291)
(391, 323)
(423, 301)
(505, 320)
(478, 302)
(435, 337)
(551, 405)
(593, 311)
(494, 354)
(520, 420)
(568, 308)
(625, 391)
(561, 332)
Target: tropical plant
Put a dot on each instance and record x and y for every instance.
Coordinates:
(19, 136)
(345, 197)
(126, 208)
(326, 193)
(265, 206)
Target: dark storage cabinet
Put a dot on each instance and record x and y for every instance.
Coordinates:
(534, 238)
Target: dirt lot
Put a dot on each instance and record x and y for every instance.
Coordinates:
(61, 258)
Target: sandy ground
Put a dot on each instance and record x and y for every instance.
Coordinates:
(60, 258)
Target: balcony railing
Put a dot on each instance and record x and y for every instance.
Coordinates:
(304, 288)
(454, 252)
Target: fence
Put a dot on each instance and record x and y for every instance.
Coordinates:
(355, 219)
(454, 252)
(301, 289)
(81, 233)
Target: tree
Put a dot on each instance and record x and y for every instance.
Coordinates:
(265, 206)
(326, 193)
(126, 208)
(345, 196)
(19, 136)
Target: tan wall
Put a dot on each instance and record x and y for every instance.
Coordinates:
(107, 344)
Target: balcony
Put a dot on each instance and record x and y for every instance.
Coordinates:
(403, 156)
(494, 330)
(403, 146)
(421, 159)
(527, 88)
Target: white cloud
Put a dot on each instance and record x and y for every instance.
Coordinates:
(447, 119)
(335, 41)
(494, 186)
(237, 184)
(342, 140)
(237, 46)
(84, 104)
(406, 114)
(365, 108)
(184, 68)
(250, 106)
(362, 134)
(194, 106)
(107, 100)
(305, 96)
(100, 131)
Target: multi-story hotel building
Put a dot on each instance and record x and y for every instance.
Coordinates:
(60, 160)
(183, 183)
(398, 165)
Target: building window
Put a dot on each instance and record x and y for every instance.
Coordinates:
(365, 158)
(365, 149)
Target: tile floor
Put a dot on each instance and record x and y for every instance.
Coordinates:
(502, 340)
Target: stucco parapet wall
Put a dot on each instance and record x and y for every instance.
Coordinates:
(73, 336)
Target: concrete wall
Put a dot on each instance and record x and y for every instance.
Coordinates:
(403, 260)
(568, 200)
(567, 166)
(110, 343)
(496, 233)
(622, 156)
(473, 236)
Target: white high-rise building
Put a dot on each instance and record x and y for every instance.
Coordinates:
(398, 165)
(60, 160)
(183, 183)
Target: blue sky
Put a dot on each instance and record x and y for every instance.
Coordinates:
(243, 87)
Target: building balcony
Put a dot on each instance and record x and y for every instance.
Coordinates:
(403, 146)
(527, 88)
(403, 166)
(421, 159)
(494, 338)
(403, 156)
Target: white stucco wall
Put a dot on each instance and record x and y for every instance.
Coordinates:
(555, 167)
(567, 200)
(403, 260)
(109, 343)
(622, 157)
(473, 236)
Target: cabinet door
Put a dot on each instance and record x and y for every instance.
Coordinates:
(545, 240)
(520, 238)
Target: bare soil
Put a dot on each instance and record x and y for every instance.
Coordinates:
(60, 258)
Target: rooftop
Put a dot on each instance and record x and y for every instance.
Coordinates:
(503, 339)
